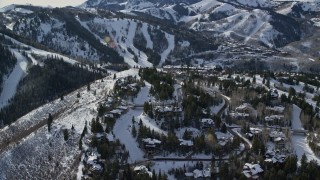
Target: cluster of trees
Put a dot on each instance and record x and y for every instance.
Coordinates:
(123, 89)
(290, 170)
(42, 84)
(162, 83)
(128, 174)
(113, 154)
(258, 146)
(148, 109)
(194, 101)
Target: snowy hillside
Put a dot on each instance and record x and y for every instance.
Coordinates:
(61, 40)
(49, 155)
(228, 19)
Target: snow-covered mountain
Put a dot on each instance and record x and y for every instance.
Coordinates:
(242, 20)
(44, 3)
(104, 36)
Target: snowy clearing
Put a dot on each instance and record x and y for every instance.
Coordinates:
(296, 123)
(122, 131)
(300, 146)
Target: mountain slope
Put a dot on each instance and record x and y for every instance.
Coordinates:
(241, 20)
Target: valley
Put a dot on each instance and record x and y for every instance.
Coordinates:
(169, 89)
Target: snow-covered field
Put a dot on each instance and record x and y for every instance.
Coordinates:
(300, 146)
(300, 142)
(122, 131)
(45, 3)
(296, 123)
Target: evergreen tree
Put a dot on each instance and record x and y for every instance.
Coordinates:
(224, 128)
(88, 87)
(291, 164)
(65, 134)
(134, 131)
(50, 120)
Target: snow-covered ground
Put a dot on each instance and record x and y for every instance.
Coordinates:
(45, 3)
(296, 122)
(47, 154)
(11, 82)
(122, 131)
(150, 123)
(122, 128)
(299, 142)
(301, 146)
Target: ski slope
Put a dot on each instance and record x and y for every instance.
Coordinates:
(11, 82)
(171, 45)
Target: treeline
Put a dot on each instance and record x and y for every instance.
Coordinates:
(162, 83)
(42, 84)
(7, 63)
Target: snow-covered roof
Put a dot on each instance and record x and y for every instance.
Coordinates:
(279, 109)
(185, 142)
(92, 159)
(188, 174)
(200, 173)
(96, 167)
(140, 168)
(197, 173)
(207, 172)
(275, 156)
(275, 134)
(123, 107)
(250, 170)
(151, 141)
(243, 107)
(221, 135)
(109, 115)
(278, 139)
(273, 117)
(255, 130)
(237, 114)
(143, 169)
(116, 111)
(207, 121)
